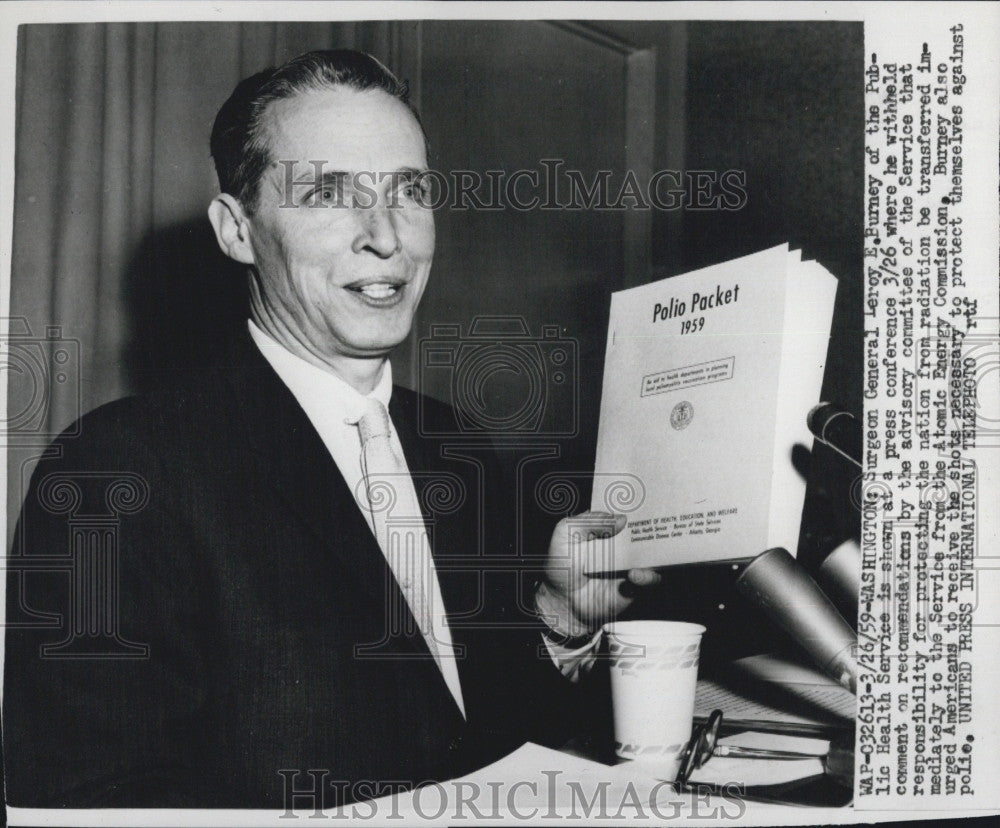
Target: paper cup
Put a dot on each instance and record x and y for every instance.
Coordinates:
(654, 670)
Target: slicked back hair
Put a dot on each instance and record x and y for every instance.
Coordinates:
(239, 141)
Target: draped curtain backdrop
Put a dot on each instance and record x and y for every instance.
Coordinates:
(112, 245)
(111, 242)
(113, 124)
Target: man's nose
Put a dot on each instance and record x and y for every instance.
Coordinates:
(377, 231)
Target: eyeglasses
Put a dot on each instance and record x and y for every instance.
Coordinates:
(704, 745)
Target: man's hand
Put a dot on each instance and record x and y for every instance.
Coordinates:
(575, 604)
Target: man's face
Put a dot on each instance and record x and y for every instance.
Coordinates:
(342, 270)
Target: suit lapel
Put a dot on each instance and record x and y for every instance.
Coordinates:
(289, 456)
(453, 534)
(288, 453)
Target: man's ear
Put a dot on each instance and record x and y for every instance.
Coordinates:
(232, 229)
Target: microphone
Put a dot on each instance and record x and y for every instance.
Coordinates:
(840, 574)
(775, 582)
(838, 429)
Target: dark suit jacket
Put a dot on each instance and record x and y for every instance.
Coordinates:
(246, 568)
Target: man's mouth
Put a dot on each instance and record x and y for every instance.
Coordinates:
(378, 292)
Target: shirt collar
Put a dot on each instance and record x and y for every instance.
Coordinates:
(310, 383)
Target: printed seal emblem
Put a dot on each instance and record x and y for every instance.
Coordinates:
(682, 415)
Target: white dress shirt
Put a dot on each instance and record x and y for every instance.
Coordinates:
(334, 407)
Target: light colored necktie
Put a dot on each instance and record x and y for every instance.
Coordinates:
(398, 522)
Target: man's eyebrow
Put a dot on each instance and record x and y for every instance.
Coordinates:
(408, 173)
(296, 177)
(333, 177)
(341, 177)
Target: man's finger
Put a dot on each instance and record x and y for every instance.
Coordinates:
(644, 577)
(592, 525)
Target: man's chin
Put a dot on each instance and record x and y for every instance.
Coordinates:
(379, 346)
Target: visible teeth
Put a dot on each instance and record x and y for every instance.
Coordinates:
(379, 290)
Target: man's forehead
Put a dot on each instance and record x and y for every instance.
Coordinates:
(349, 128)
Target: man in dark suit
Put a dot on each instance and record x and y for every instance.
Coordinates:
(235, 614)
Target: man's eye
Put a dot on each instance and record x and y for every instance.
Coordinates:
(325, 196)
(417, 191)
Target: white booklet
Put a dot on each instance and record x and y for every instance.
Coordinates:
(708, 379)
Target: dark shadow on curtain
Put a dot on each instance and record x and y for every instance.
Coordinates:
(187, 300)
